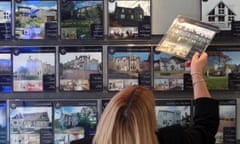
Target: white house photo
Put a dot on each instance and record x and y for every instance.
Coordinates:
(220, 12)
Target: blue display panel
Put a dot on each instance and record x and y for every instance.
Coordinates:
(5, 70)
(168, 72)
(34, 69)
(170, 112)
(31, 122)
(3, 122)
(226, 133)
(80, 68)
(128, 66)
(82, 19)
(129, 19)
(74, 120)
(36, 19)
(5, 20)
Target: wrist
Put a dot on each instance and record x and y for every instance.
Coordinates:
(198, 81)
(197, 77)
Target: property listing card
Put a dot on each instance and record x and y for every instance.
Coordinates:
(128, 66)
(220, 13)
(226, 133)
(6, 76)
(80, 68)
(31, 122)
(82, 19)
(170, 112)
(36, 19)
(34, 69)
(222, 72)
(3, 122)
(168, 72)
(129, 19)
(186, 36)
(74, 120)
(5, 20)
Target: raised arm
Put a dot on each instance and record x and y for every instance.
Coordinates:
(206, 112)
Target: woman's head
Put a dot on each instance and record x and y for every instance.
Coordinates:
(129, 118)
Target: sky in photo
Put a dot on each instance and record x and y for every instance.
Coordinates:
(38, 4)
(5, 6)
(79, 4)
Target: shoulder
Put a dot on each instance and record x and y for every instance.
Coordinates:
(205, 100)
(171, 135)
(206, 106)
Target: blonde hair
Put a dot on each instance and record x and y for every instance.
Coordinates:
(129, 118)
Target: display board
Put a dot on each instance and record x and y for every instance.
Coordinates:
(80, 68)
(3, 122)
(5, 70)
(129, 19)
(74, 120)
(36, 19)
(128, 66)
(34, 69)
(226, 133)
(168, 72)
(170, 112)
(6, 19)
(82, 19)
(31, 122)
(220, 13)
(30, 68)
(222, 71)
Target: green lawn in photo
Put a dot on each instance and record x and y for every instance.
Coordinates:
(164, 73)
(217, 82)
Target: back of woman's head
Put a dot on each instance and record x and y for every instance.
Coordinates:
(129, 118)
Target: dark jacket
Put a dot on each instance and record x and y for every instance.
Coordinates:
(203, 130)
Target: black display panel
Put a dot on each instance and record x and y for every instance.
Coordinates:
(34, 69)
(104, 104)
(222, 71)
(128, 66)
(80, 68)
(74, 120)
(31, 122)
(168, 72)
(5, 70)
(82, 19)
(5, 20)
(129, 19)
(3, 122)
(226, 133)
(170, 112)
(36, 19)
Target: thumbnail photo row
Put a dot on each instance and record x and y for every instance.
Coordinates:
(38, 69)
(61, 121)
(77, 19)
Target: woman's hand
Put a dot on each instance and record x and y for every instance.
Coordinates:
(198, 63)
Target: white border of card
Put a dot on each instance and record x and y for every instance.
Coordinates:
(185, 36)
